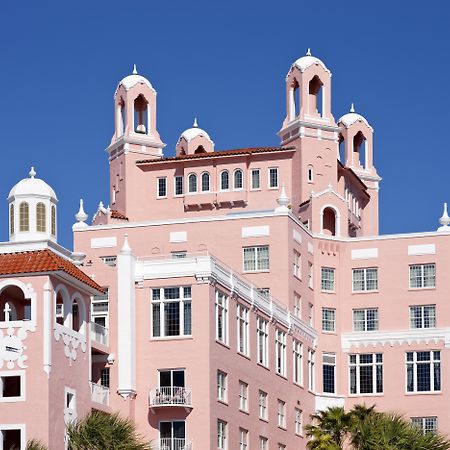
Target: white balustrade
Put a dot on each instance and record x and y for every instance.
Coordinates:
(99, 394)
(99, 333)
(170, 396)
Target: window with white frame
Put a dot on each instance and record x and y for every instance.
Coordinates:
(310, 314)
(205, 181)
(221, 386)
(297, 264)
(238, 179)
(311, 369)
(243, 439)
(179, 185)
(12, 386)
(242, 329)
(262, 341)
(256, 258)
(105, 377)
(327, 282)
(221, 435)
(172, 311)
(221, 317)
(243, 396)
(328, 320)
(310, 275)
(162, 187)
(256, 179)
(310, 174)
(280, 352)
(273, 177)
(281, 447)
(329, 373)
(99, 311)
(179, 255)
(224, 180)
(297, 305)
(423, 371)
(192, 183)
(281, 413)
(365, 319)
(297, 357)
(366, 373)
(422, 276)
(70, 405)
(427, 424)
(365, 279)
(298, 422)
(422, 316)
(263, 443)
(263, 406)
(12, 436)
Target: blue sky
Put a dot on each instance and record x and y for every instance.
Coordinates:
(225, 63)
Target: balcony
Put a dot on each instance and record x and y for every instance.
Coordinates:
(173, 444)
(171, 396)
(99, 334)
(99, 394)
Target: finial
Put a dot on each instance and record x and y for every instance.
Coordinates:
(195, 123)
(32, 172)
(134, 69)
(282, 200)
(126, 249)
(308, 53)
(444, 220)
(81, 215)
(352, 108)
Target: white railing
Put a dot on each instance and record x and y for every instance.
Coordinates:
(170, 396)
(99, 333)
(99, 394)
(173, 444)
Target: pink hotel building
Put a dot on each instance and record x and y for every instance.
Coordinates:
(223, 296)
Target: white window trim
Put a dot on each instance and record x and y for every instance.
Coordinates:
(272, 188)
(331, 270)
(257, 269)
(422, 276)
(298, 424)
(14, 426)
(243, 396)
(14, 373)
(364, 290)
(365, 320)
(414, 363)
(209, 182)
(220, 181)
(234, 184)
(310, 180)
(175, 186)
(281, 414)
(264, 409)
(280, 353)
(251, 180)
(333, 331)
(374, 365)
(262, 327)
(225, 308)
(224, 388)
(157, 187)
(188, 191)
(422, 308)
(297, 361)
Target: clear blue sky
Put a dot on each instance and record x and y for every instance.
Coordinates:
(224, 62)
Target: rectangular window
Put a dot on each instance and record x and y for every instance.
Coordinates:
(280, 352)
(298, 422)
(273, 177)
(365, 279)
(104, 377)
(221, 317)
(297, 356)
(162, 187)
(297, 264)
(422, 276)
(99, 317)
(423, 371)
(172, 311)
(12, 437)
(243, 396)
(263, 411)
(243, 439)
(281, 414)
(256, 258)
(366, 373)
(262, 341)
(329, 373)
(242, 330)
(310, 314)
(329, 320)
(178, 255)
(263, 443)
(327, 283)
(12, 386)
(310, 275)
(297, 305)
(221, 386)
(311, 370)
(422, 316)
(221, 435)
(256, 179)
(179, 184)
(365, 319)
(426, 424)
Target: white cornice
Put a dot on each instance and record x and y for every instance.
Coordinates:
(328, 190)
(15, 247)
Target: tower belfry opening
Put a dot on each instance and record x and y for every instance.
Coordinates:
(359, 150)
(140, 114)
(315, 96)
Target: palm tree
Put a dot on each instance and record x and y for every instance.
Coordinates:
(102, 431)
(34, 444)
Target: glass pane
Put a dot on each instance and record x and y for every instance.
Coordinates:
(165, 378)
(172, 319)
(178, 378)
(156, 320)
(187, 318)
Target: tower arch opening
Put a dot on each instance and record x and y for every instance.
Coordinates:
(330, 221)
(316, 96)
(14, 305)
(140, 114)
(360, 150)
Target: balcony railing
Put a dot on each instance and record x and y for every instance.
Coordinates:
(99, 394)
(170, 396)
(99, 333)
(173, 444)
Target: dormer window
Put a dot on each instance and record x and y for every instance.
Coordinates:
(24, 217)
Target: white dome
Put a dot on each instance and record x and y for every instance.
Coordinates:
(194, 132)
(306, 61)
(132, 80)
(352, 117)
(32, 186)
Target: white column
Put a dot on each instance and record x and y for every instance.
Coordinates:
(47, 322)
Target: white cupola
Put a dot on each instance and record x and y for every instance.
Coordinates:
(32, 210)
(194, 140)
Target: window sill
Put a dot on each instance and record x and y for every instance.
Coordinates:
(377, 394)
(332, 333)
(257, 271)
(255, 189)
(422, 288)
(324, 291)
(299, 435)
(243, 411)
(281, 376)
(223, 344)
(280, 427)
(161, 198)
(223, 402)
(372, 291)
(264, 420)
(171, 338)
(263, 366)
(298, 385)
(424, 393)
(273, 188)
(244, 355)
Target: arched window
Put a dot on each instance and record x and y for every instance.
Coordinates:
(40, 217)
(224, 180)
(24, 217)
(238, 179)
(192, 182)
(359, 150)
(310, 174)
(329, 222)
(205, 182)
(53, 221)
(14, 305)
(140, 114)
(11, 219)
(315, 96)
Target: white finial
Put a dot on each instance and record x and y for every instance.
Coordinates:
(32, 172)
(444, 220)
(81, 215)
(352, 108)
(126, 249)
(282, 200)
(308, 53)
(195, 123)
(134, 69)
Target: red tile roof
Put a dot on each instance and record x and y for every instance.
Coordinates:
(118, 215)
(42, 261)
(235, 152)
